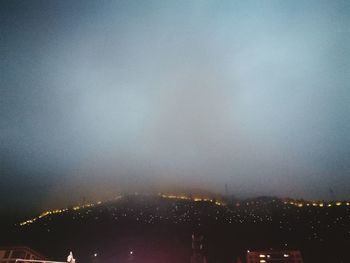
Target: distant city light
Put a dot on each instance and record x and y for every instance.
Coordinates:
(298, 203)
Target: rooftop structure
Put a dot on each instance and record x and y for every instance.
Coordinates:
(10, 254)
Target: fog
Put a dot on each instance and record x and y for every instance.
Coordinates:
(105, 97)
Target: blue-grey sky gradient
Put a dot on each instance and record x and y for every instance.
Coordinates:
(105, 96)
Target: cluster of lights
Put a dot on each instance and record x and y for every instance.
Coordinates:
(195, 199)
(248, 213)
(29, 221)
(317, 204)
(56, 211)
(262, 258)
(44, 214)
(182, 197)
(85, 206)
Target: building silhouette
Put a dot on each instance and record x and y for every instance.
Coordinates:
(10, 254)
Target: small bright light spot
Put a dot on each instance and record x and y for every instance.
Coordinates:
(131, 252)
(262, 256)
(286, 255)
(95, 255)
(262, 261)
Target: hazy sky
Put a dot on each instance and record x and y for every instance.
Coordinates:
(105, 96)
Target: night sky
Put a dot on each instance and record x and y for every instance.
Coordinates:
(100, 97)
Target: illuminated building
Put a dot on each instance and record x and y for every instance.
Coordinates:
(293, 256)
(10, 254)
